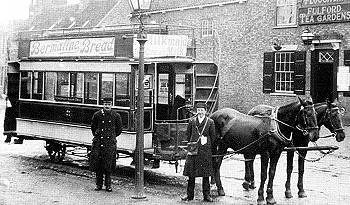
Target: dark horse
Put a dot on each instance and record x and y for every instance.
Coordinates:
(250, 135)
(328, 114)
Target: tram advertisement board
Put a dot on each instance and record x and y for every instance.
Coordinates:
(324, 11)
(82, 47)
(163, 45)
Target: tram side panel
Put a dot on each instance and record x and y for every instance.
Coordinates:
(69, 124)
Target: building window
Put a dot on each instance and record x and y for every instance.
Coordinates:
(207, 27)
(286, 12)
(284, 72)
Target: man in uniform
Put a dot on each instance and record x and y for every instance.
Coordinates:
(200, 129)
(106, 125)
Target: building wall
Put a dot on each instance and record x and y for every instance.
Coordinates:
(244, 31)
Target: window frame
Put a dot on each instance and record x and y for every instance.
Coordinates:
(284, 6)
(207, 27)
(299, 76)
(288, 62)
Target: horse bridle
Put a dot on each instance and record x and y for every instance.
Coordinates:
(307, 129)
(329, 111)
(298, 127)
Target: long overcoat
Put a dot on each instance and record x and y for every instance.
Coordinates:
(106, 125)
(200, 165)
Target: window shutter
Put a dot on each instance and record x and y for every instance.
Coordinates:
(347, 57)
(299, 72)
(268, 73)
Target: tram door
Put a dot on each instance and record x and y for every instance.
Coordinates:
(165, 93)
(174, 91)
(323, 75)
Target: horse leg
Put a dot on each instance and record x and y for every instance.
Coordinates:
(249, 172)
(301, 164)
(274, 157)
(288, 192)
(263, 176)
(247, 176)
(217, 178)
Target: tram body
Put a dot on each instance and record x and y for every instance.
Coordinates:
(57, 98)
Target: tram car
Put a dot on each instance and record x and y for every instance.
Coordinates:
(61, 80)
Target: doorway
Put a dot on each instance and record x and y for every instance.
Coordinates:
(324, 65)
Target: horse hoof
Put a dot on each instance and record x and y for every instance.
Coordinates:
(302, 194)
(260, 202)
(288, 194)
(271, 201)
(221, 192)
(246, 185)
(252, 185)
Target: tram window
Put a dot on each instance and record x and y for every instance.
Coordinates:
(38, 82)
(91, 88)
(76, 85)
(106, 86)
(25, 85)
(122, 90)
(183, 87)
(50, 84)
(63, 84)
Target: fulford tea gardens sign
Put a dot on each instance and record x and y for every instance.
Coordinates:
(324, 11)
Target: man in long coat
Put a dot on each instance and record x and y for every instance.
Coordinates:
(106, 125)
(200, 129)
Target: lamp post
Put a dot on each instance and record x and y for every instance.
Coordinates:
(307, 37)
(138, 7)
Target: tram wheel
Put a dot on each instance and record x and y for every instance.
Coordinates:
(56, 151)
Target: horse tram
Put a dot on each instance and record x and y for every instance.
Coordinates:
(63, 75)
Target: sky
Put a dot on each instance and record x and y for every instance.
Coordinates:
(13, 9)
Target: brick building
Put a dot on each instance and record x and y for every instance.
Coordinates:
(258, 48)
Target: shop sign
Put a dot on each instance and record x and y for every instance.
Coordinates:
(80, 47)
(307, 3)
(343, 78)
(163, 45)
(320, 14)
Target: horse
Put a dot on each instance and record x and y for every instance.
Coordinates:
(328, 115)
(250, 135)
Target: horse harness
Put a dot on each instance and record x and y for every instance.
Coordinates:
(276, 132)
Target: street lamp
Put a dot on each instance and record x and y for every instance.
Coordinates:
(138, 8)
(307, 37)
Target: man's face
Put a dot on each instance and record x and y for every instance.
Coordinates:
(201, 111)
(107, 105)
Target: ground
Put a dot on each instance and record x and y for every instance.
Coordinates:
(28, 177)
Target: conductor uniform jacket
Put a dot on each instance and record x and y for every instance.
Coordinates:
(200, 165)
(106, 125)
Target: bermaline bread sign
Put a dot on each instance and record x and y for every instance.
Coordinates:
(102, 46)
